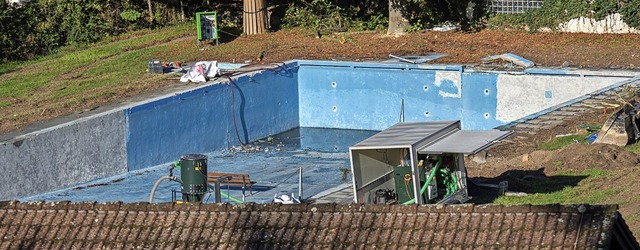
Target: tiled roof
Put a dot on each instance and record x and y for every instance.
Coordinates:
(306, 226)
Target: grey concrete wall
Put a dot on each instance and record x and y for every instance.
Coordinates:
(64, 155)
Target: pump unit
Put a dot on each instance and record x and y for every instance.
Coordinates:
(193, 172)
(417, 162)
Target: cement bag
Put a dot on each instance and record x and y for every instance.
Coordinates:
(201, 72)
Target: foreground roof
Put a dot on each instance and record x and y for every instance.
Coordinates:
(267, 226)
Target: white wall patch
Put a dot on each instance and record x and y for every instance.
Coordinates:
(446, 79)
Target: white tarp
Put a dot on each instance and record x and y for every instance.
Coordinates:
(201, 72)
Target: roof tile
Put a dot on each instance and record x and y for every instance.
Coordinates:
(345, 220)
(453, 221)
(516, 208)
(490, 208)
(550, 208)
(112, 225)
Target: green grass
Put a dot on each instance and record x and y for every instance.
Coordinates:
(561, 142)
(635, 148)
(9, 67)
(587, 191)
(100, 64)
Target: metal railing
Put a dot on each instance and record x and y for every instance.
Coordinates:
(514, 6)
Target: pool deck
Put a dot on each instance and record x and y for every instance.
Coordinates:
(342, 194)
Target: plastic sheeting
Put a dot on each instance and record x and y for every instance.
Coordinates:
(201, 72)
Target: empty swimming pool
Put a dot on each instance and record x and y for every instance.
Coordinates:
(306, 94)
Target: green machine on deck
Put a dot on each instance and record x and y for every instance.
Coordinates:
(193, 172)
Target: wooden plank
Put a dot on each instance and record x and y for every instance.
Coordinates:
(236, 179)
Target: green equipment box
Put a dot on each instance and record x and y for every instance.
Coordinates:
(404, 182)
(207, 25)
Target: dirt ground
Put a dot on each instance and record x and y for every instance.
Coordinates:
(518, 161)
(517, 153)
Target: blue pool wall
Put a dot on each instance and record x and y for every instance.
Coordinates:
(322, 94)
(371, 96)
(201, 120)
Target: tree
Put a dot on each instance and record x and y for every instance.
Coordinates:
(150, 12)
(397, 21)
(425, 13)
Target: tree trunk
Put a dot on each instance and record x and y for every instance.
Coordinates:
(181, 11)
(150, 12)
(254, 19)
(397, 23)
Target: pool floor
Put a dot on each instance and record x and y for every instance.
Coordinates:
(273, 164)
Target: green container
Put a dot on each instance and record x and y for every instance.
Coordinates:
(193, 173)
(404, 189)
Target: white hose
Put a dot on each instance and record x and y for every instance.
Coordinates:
(155, 186)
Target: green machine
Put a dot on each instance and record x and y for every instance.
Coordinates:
(403, 179)
(207, 26)
(193, 172)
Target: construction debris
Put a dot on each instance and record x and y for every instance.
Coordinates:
(512, 60)
(621, 128)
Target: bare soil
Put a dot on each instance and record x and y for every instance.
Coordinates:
(517, 153)
(518, 161)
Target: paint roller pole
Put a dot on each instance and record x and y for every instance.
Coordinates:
(300, 185)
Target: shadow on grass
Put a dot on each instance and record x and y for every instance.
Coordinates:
(525, 181)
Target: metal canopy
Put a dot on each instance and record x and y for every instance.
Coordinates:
(407, 134)
(465, 142)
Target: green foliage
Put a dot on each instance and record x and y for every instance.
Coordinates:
(39, 27)
(130, 15)
(555, 12)
(375, 22)
(331, 16)
(317, 15)
(561, 142)
(630, 12)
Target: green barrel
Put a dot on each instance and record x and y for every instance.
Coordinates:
(193, 172)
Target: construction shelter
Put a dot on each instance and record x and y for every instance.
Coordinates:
(386, 165)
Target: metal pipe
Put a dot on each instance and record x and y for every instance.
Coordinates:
(402, 59)
(426, 184)
(300, 185)
(231, 198)
(155, 186)
(216, 189)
